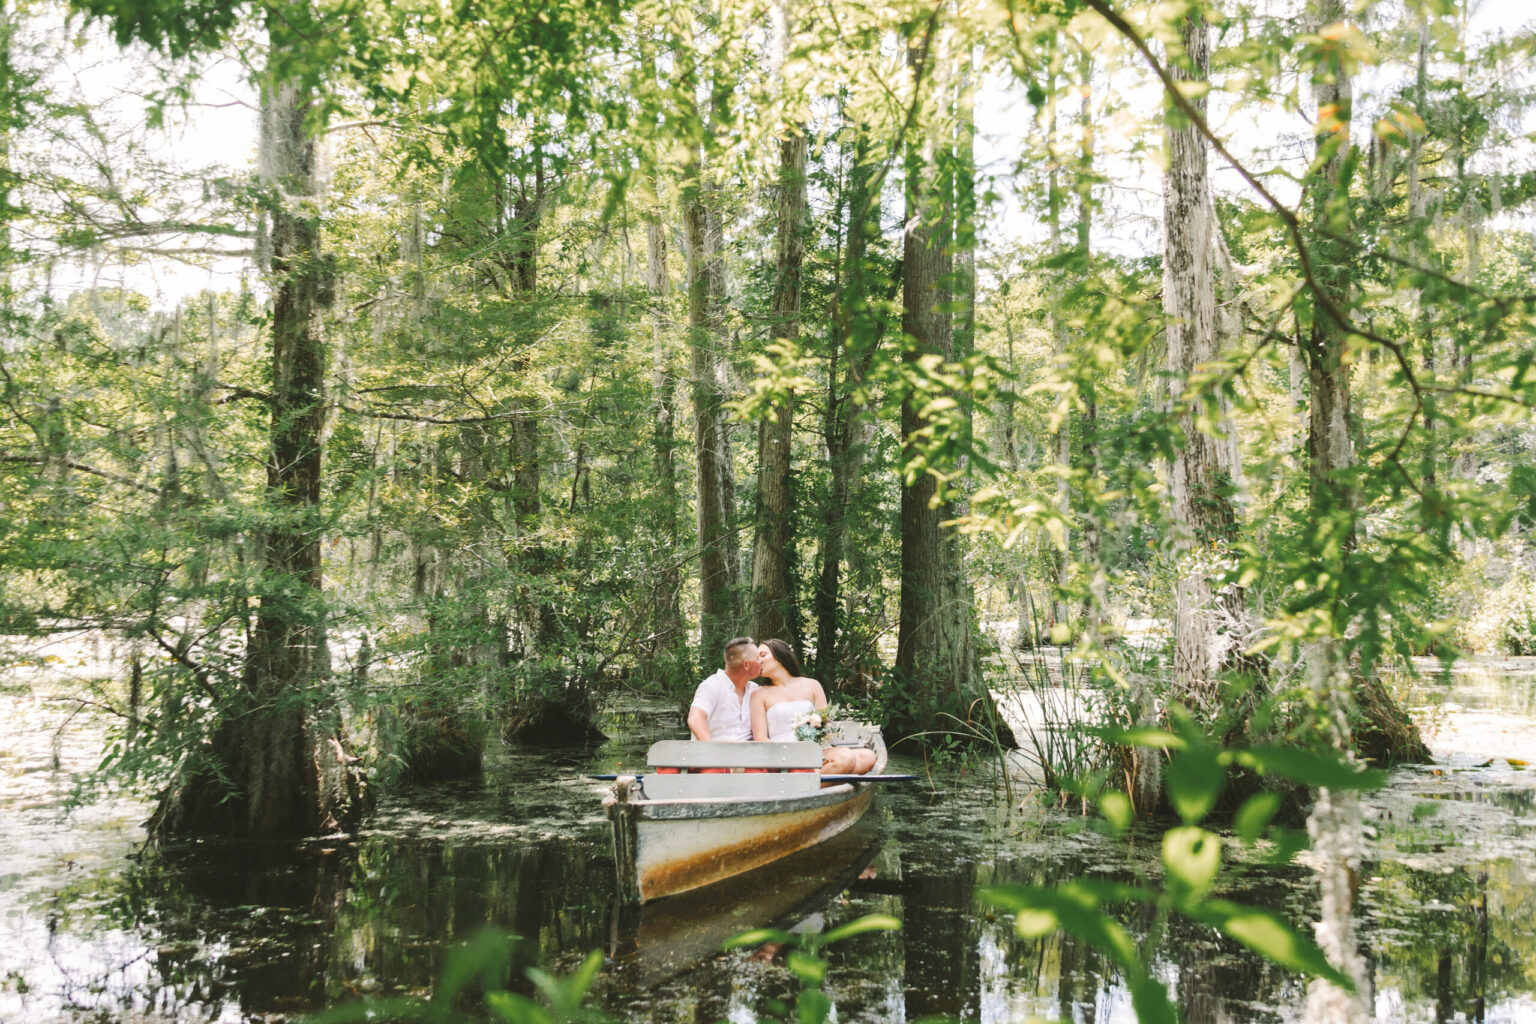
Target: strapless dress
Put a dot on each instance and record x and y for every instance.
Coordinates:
(782, 716)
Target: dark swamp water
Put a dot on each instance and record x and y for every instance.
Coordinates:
(90, 930)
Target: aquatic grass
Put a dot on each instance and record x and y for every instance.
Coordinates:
(1069, 692)
(1060, 747)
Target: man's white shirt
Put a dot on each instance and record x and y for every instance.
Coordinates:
(729, 718)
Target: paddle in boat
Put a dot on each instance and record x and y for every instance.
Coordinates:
(708, 811)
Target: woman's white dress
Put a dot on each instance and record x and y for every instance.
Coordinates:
(782, 716)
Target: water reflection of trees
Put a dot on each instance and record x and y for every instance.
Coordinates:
(255, 930)
(1458, 941)
(277, 930)
(1058, 977)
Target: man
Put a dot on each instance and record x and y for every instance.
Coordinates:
(722, 704)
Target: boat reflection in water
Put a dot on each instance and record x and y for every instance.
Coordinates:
(653, 941)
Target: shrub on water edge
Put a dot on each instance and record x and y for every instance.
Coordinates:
(1517, 632)
(1502, 619)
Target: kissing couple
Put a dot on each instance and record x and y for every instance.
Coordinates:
(731, 704)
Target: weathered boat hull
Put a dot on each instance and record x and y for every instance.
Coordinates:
(663, 847)
(653, 941)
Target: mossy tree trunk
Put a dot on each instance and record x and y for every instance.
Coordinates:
(275, 765)
(1206, 615)
(773, 595)
(937, 662)
(846, 421)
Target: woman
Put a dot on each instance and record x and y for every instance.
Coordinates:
(778, 708)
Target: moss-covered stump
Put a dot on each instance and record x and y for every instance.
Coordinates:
(563, 717)
(430, 739)
(1384, 733)
(264, 777)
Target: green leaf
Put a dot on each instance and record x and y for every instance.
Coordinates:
(485, 957)
(548, 985)
(1255, 815)
(812, 1006)
(1144, 737)
(514, 1009)
(577, 984)
(757, 937)
(1117, 810)
(1194, 779)
(1271, 937)
(1090, 892)
(1192, 858)
(1319, 771)
(1031, 924)
(1077, 912)
(809, 969)
(1288, 843)
(867, 923)
(1149, 998)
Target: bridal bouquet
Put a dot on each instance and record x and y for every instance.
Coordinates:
(813, 726)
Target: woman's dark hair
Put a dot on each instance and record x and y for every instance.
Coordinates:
(784, 655)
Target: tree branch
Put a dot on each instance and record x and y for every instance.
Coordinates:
(38, 460)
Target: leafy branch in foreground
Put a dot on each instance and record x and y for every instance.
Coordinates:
(1191, 856)
(812, 1006)
(483, 964)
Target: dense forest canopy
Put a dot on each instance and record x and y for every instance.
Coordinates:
(550, 346)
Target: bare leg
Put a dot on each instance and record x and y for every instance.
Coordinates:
(847, 760)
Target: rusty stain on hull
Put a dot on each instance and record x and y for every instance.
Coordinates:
(779, 836)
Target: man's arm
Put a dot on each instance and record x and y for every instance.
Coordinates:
(698, 723)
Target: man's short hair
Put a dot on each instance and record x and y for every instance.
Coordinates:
(733, 649)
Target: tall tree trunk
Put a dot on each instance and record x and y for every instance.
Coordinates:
(1417, 207)
(716, 611)
(278, 739)
(1201, 475)
(9, 110)
(772, 594)
(963, 274)
(936, 658)
(1063, 434)
(1335, 821)
(1096, 596)
(670, 641)
(725, 459)
(533, 560)
(845, 422)
(556, 704)
(1019, 461)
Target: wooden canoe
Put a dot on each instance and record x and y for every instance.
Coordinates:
(694, 830)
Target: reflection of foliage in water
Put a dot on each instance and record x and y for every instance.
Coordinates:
(256, 930)
(1450, 906)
